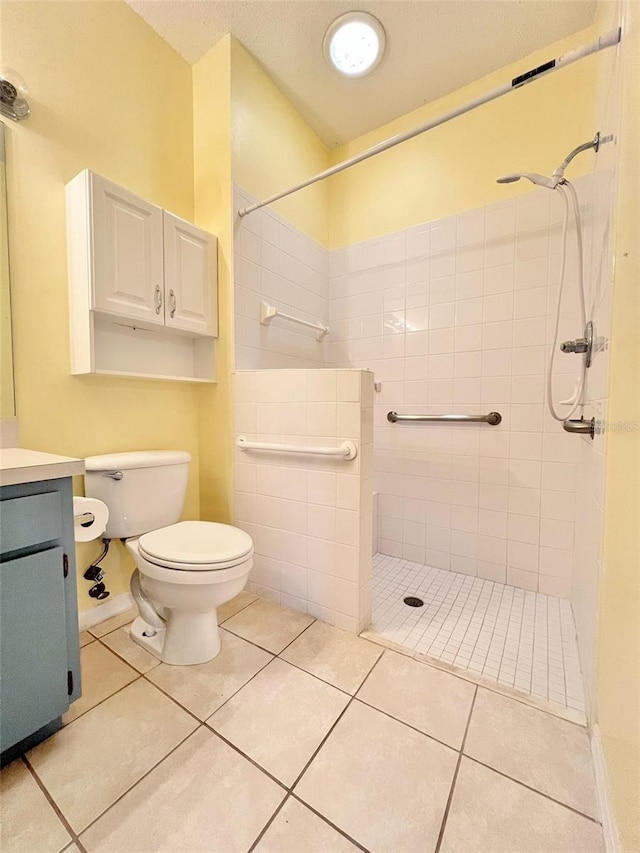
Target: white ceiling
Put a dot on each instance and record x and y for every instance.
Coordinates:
(433, 47)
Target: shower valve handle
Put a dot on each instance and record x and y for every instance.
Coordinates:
(579, 345)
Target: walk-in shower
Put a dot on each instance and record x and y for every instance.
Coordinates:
(477, 486)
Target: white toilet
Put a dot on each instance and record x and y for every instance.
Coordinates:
(185, 570)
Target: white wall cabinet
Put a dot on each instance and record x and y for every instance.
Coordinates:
(190, 256)
(127, 240)
(142, 286)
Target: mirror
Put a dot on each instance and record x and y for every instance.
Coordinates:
(7, 397)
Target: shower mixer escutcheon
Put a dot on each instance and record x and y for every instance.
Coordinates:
(582, 345)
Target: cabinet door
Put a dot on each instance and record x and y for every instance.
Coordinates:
(127, 253)
(190, 277)
(33, 636)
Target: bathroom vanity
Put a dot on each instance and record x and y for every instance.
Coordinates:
(40, 659)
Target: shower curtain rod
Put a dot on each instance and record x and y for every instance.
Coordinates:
(608, 40)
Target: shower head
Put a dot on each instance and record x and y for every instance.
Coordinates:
(540, 180)
(558, 176)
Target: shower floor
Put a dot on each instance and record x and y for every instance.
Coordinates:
(519, 639)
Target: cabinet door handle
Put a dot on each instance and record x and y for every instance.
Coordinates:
(174, 303)
(158, 298)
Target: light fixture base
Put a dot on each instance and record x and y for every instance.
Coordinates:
(12, 103)
(354, 44)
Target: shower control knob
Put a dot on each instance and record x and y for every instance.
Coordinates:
(579, 345)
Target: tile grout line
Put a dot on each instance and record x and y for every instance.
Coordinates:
(313, 675)
(262, 668)
(102, 701)
(174, 700)
(533, 790)
(137, 782)
(247, 757)
(469, 678)
(408, 725)
(244, 607)
(325, 738)
(455, 776)
(462, 606)
(326, 820)
(268, 823)
(57, 810)
(289, 789)
(430, 592)
(263, 648)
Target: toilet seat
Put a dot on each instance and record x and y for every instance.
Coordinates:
(196, 546)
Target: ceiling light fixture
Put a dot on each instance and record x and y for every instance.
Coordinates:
(354, 44)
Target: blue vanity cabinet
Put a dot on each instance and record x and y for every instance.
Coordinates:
(39, 639)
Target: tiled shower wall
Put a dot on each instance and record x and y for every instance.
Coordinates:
(279, 264)
(454, 316)
(310, 517)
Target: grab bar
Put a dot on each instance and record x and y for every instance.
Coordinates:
(268, 312)
(493, 418)
(347, 450)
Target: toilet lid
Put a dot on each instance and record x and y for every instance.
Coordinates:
(200, 544)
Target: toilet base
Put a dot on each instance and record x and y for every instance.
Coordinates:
(186, 640)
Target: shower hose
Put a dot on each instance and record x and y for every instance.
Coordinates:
(570, 199)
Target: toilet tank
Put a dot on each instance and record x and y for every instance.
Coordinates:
(144, 490)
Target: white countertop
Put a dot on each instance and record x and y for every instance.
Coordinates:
(18, 465)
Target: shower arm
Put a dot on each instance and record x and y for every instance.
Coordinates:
(594, 143)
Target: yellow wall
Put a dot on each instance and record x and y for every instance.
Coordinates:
(107, 93)
(274, 148)
(453, 167)
(212, 162)
(619, 659)
(7, 408)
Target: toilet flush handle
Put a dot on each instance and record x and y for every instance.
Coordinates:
(115, 475)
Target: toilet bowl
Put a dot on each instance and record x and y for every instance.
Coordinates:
(184, 573)
(184, 570)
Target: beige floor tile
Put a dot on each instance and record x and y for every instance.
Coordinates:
(27, 821)
(204, 797)
(296, 829)
(118, 621)
(549, 754)
(333, 655)
(122, 644)
(86, 638)
(236, 604)
(431, 700)
(382, 783)
(86, 766)
(102, 675)
(492, 814)
(204, 687)
(280, 718)
(268, 625)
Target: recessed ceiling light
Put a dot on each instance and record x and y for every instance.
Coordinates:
(354, 43)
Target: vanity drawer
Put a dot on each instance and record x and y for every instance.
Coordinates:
(30, 520)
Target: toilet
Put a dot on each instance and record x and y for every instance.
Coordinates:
(184, 569)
